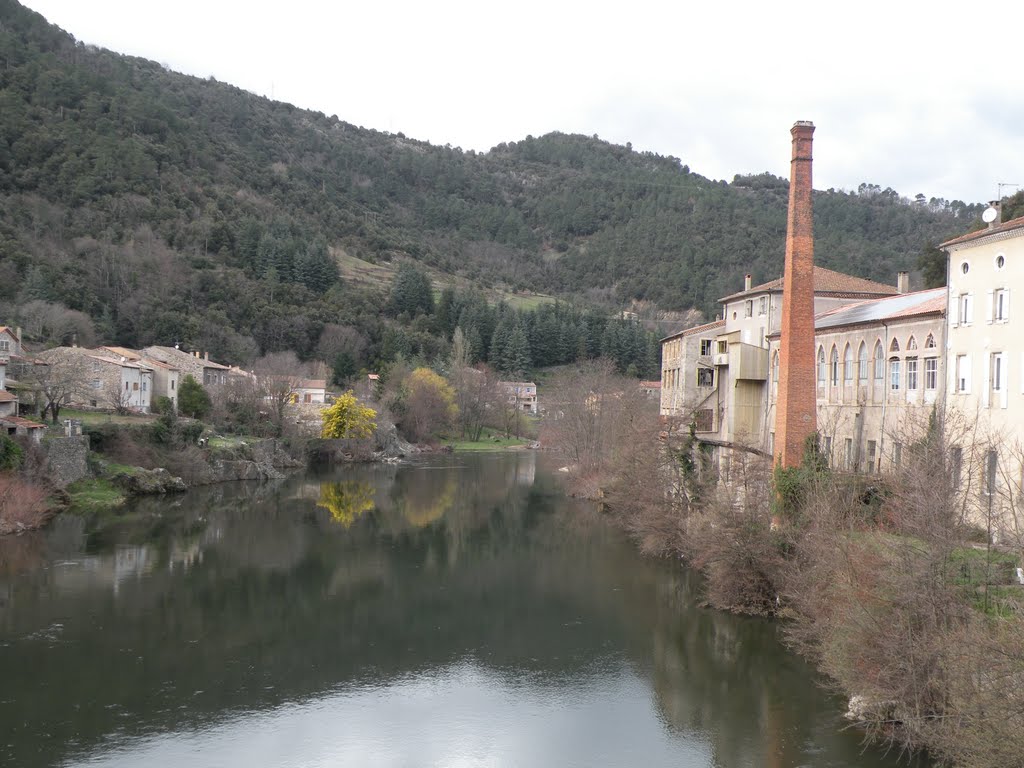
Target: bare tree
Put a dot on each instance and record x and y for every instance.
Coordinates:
(55, 382)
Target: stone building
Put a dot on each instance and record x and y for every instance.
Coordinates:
(102, 380)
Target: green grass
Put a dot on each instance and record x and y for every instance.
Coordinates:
(489, 441)
(231, 441)
(94, 496)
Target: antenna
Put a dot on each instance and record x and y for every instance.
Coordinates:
(999, 188)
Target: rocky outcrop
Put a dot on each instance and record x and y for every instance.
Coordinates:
(261, 460)
(144, 482)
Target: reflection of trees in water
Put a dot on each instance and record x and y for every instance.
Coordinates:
(346, 500)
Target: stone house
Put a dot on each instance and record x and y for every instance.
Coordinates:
(165, 376)
(201, 368)
(522, 394)
(105, 381)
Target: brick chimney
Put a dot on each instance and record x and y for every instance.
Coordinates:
(796, 416)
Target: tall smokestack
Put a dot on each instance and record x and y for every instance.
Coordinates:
(796, 416)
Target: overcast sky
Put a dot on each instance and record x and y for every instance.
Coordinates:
(920, 97)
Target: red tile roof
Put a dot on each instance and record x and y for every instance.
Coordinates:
(827, 282)
(6, 397)
(1006, 226)
(18, 421)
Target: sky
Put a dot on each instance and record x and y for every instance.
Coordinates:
(915, 96)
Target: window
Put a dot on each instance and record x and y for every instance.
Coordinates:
(988, 482)
(879, 362)
(895, 345)
(143, 386)
(834, 366)
(775, 369)
(963, 373)
(135, 386)
(1001, 305)
(705, 347)
(172, 383)
(911, 343)
(748, 308)
(1000, 261)
(848, 365)
(704, 420)
(966, 309)
(762, 308)
(872, 449)
(997, 371)
(862, 364)
(5, 345)
(723, 347)
(931, 373)
(848, 453)
(911, 374)
(126, 386)
(821, 367)
(705, 377)
(965, 268)
(956, 458)
(894, 374)
(929, 343)
(96, 384)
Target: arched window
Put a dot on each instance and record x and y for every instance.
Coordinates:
(848, 365)
(821, 367)
(862, 363)
(911, 343)
(879, 362)
(833, 363)
(895, 346)
(929, 343)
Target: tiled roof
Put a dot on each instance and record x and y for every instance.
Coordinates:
(130, 354)
(6, 397)
(122, 363)
(827, 282)
(156, 364)
(1006, 226)
(18, 421)
(901, 306)
(696, 329)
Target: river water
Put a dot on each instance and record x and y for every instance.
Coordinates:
(457, 611)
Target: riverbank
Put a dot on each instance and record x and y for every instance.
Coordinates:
(880, 582)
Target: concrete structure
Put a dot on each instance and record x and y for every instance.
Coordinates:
(522, 394)
(796, 418)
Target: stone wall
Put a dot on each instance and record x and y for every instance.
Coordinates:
(67, 458)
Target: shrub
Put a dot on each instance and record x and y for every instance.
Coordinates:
(23, 506)
(11, 454)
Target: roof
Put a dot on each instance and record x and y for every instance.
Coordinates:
(903, 306)
(157, 364)
(6, 397)
(130, 354)
(18, 421)
(122, 363)
(827, 282)
(696, 329)
(1006, 226)
(310, 384)
(178, 354)
(650, 385)
(517, 383)
(8, 329)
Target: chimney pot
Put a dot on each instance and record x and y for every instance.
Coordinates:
(903, 282)
(748, 281)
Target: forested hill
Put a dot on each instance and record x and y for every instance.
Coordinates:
(170, 207)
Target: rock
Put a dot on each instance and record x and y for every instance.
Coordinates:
(143, 482)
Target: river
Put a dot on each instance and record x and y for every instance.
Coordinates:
(455, 611)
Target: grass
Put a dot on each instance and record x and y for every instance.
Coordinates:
(490, 440)
(231, 441)
(96, 417)
(94, 496)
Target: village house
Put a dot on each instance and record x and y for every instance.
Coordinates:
(308, 391)
(165, 376)
(522, 395)
(101, 380)
(201, 368)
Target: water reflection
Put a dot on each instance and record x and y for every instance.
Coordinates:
(458, 612)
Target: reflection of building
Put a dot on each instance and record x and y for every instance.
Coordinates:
(108, 570)
(521, 394)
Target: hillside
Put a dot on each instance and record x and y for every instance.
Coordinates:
(168, 208)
